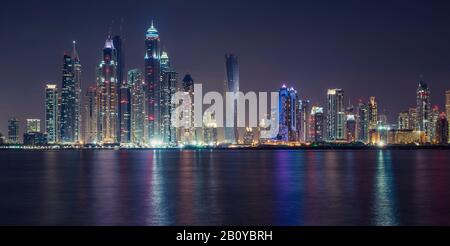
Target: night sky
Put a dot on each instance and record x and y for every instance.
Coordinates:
(367, 48)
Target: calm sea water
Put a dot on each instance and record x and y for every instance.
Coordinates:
(224, 187)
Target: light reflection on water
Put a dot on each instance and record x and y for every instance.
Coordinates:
(220, 187)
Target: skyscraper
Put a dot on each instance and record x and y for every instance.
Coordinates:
(232, 85)
(412, 114)
(107, 95)
(123, 129)
(289, 111)
(423, 109)
(442, 132)
(363, 122)
(335, 115)
(152, 76)
(90, 118)
(33, 125)
(373, 113)
(187, 132)
(51, 113)
(433, 121)
(447, 105)
(318, 124)
(68, 102)
(350, 125)
(77, 84)
(138, 105)
(168, 89)
(403, 121)
(13, 131)
(304, 120)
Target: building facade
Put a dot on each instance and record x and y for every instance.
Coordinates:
(13, 131)
(51, 113)
(90, 119)
(424, 109)
(335, 115)
(138, 106)
(232, 85)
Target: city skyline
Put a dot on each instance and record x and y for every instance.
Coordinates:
(306, 91)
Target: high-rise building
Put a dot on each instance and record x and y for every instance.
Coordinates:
(232, 85)
(13, 131)
(123, 93)
(442, 132)
(335, 115)
(138, 105)
(249, 135)
(373, 113)
(210, 130)
(168, 89)
(68, 102)
(412, 114)
(90, 118)
(350, 124)
(363, 122)
(33, 125)
(289, 112)
(447, 105)
(187, 132)
(434, 117)
(107, 97)
(152, 75)
(305, 110)
(317, 121)
(51, 113)
(77, 84)
(403, 121)
(424, 109)
(34, 139)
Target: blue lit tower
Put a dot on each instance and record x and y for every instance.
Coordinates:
(232, 85)
(152, 77)
(77, 84)
(289, 111)
(68, 108)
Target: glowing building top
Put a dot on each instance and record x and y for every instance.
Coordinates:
(152, 32)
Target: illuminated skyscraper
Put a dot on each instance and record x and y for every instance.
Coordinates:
(289, 112)
(187, 132)
(317, 121)
(232, 85)
(210, 129)
(51, 113)
(33, 125)
(123, 129)
(412, 114)
(13, 131)
(442, 132)
(168, 89)
(350, 124)
(77, 82)
(138, 105)
(335, 115)
(403, 121)
(447, 105)
(434, 117)
(424, 109)
(305, 110)
(373, 113)
(68, 102)
(90, 118)
(125, 113)
(363, 122)
(152, 75)
(107, 85)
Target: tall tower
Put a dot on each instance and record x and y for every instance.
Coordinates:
(152, 75)
(122, 91)
(168, 89)
(373, 114)
(138, 105)
(289, 110)
(90, 118)
(317, 121)
(232, 85)
(335, 115)
(77, 84)
(424, 109)
(362, 123)
(68, 102)
(107, 85)
(51, 113)
(442, 132)
(187, 134)
(304, 119)
(447, 106)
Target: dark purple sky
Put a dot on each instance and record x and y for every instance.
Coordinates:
(367, 48)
